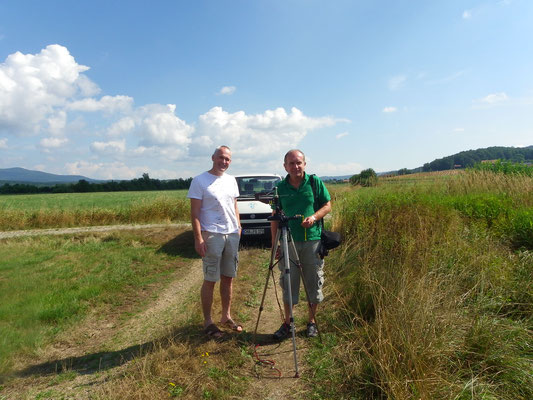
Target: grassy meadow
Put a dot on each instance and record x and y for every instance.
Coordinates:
(88, 209)
(49, 283)
(430, 296)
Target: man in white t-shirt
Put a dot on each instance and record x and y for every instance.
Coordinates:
(216, 227)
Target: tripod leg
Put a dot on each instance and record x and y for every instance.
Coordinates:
(299, 265)
(275, 246)
(287, 272)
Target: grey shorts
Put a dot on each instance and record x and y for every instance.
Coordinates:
(312, 268)
(222, 256)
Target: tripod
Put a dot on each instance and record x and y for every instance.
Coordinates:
(284, 234)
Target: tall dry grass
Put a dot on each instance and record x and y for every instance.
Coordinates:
(428, 303)
(517, 187)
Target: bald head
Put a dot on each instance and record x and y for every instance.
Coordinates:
(294, 151)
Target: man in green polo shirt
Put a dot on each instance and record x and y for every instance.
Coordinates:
(296, 198)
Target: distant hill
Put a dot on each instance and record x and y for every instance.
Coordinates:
(335, 178)
(469, 158)
(464, 159)
(22, 175)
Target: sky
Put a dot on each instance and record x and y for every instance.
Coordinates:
(115, 89)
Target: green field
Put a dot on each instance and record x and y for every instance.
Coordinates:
(84, 201)
(88, 209)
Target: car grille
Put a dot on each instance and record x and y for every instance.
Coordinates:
(259, 216)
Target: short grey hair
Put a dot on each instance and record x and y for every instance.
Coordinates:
(219, 148)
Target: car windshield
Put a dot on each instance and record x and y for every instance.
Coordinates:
(250, 185)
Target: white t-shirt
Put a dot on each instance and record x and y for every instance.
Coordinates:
(218, 194)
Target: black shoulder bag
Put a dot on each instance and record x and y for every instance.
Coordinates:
(328, 239)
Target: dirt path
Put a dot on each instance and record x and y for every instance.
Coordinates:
(282, 354)
(67, 231)
(93, 347)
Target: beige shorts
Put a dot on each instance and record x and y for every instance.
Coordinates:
(312, 269)
(222, 256)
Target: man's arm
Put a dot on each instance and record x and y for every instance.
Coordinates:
(199, 244)
(238, 217)
(319, 214)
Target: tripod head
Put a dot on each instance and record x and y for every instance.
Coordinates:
(272, 198)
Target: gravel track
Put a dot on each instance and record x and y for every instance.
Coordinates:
(82, 229)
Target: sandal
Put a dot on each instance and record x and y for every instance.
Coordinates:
(213, 332)
(231, 324)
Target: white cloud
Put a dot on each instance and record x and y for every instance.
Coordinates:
(121, 127)
(53, 142)
(115, 170)
(48, 96)
(397, 82)
(57, 123)
(457, 130)
(491, 100)
(161, 153)
(108, 104)
(254, 136)
(227, 90)
(389, 109)
(341, 135)
(494, 98)
(87, 87)
(447, 79)
(33, 87)
(109, 148)
(159, 126)
(467, 14)
(334, 169)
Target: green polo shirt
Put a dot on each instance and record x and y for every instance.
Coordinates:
(300, 202)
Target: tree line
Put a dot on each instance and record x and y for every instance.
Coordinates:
(467, 159)
(82, 186)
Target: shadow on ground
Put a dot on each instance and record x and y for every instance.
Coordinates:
(182, 245)
(261, 243)
(97, 362)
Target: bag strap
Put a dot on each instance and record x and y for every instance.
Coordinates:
(312, 180)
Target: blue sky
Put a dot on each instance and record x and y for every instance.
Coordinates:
(113, 89)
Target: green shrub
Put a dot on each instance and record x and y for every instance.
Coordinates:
(506, 167)
(367, 177)
(520, 228)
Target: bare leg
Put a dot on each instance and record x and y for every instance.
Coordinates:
(226, 292)
(287, 309)
(312, 312)
(206, 295)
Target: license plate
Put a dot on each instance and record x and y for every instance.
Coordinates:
(255, 231)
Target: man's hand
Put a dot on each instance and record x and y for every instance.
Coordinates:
(308, 222)
(200, 247)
